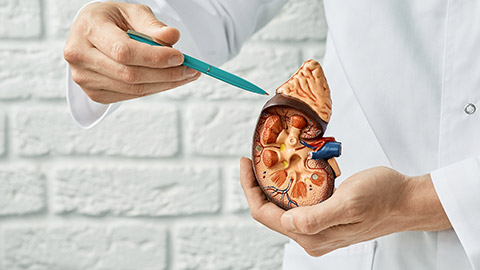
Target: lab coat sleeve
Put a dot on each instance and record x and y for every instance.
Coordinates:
(212, 30)
(458, 188)
(84, 111)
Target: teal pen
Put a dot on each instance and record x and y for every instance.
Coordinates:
(204, 67)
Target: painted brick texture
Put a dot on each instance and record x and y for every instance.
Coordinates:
(22, 190)
(27, 72)
(137, 191)
(23, 18)
(153, 186)
(84, 247)
(49, 130)
(199, 247)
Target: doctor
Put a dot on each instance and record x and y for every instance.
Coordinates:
(406, 87)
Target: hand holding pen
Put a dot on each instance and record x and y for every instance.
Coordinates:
(203, 67)
(110, 67)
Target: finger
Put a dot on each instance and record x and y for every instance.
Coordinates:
(146, 89)
(116, 44)
(106, 96)
(339, 237)
(249, 184)
(100, 63)
(92, 80)
(322, 251)
(145, 22)
(313, 219)
(261, 209)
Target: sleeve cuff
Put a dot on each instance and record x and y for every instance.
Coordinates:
(458, 187)
(84, 111)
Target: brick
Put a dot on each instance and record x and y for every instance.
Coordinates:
(61, 16)
(32, 72)
(129, 132)
(235, 200)
(84, 247)
(221, 130)
(137, 191)
(20, 19)
(271, 68)
(136, 247)
(22, 190)
(227, 246)
(3, 132)
(299, 20)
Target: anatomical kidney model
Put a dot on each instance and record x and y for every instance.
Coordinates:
(293, 163)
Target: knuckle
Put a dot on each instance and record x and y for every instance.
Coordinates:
(87, 28)
(78, 77)
(158, 60)
(255, 215)
(72, 55)
(137, 89)
(312, 253)
(174, 75)
(95, 96)
(128, 75)
(153, 22)
(353, 209)
(89, 21)
(143, 8)
(306, 224)
(121, 52)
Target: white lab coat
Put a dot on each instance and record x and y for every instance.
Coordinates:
(401, 73)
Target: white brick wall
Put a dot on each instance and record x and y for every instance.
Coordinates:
(32, 71)
(23, 18)
(154, 186)
(131, 132)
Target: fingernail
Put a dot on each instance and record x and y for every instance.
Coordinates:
(175, 60)
(189, 72)
(288, 222)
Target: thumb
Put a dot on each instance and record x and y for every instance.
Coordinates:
(312, 219)
(142, 19)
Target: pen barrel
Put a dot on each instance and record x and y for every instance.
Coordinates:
(196, 64)
(203, 67)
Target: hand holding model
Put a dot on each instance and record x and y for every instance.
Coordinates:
(286, 175)
(111, 67)
(367, 205)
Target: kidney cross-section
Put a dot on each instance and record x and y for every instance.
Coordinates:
(293, 163)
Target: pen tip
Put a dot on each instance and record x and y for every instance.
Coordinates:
(266, 94)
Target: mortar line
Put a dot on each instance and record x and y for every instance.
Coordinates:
(5, 141)
(170, 256)
(170, 221)
(48, 175)
(2, 248)
(181, 133)
(43, 19)
(8, 136)
(222, 189)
